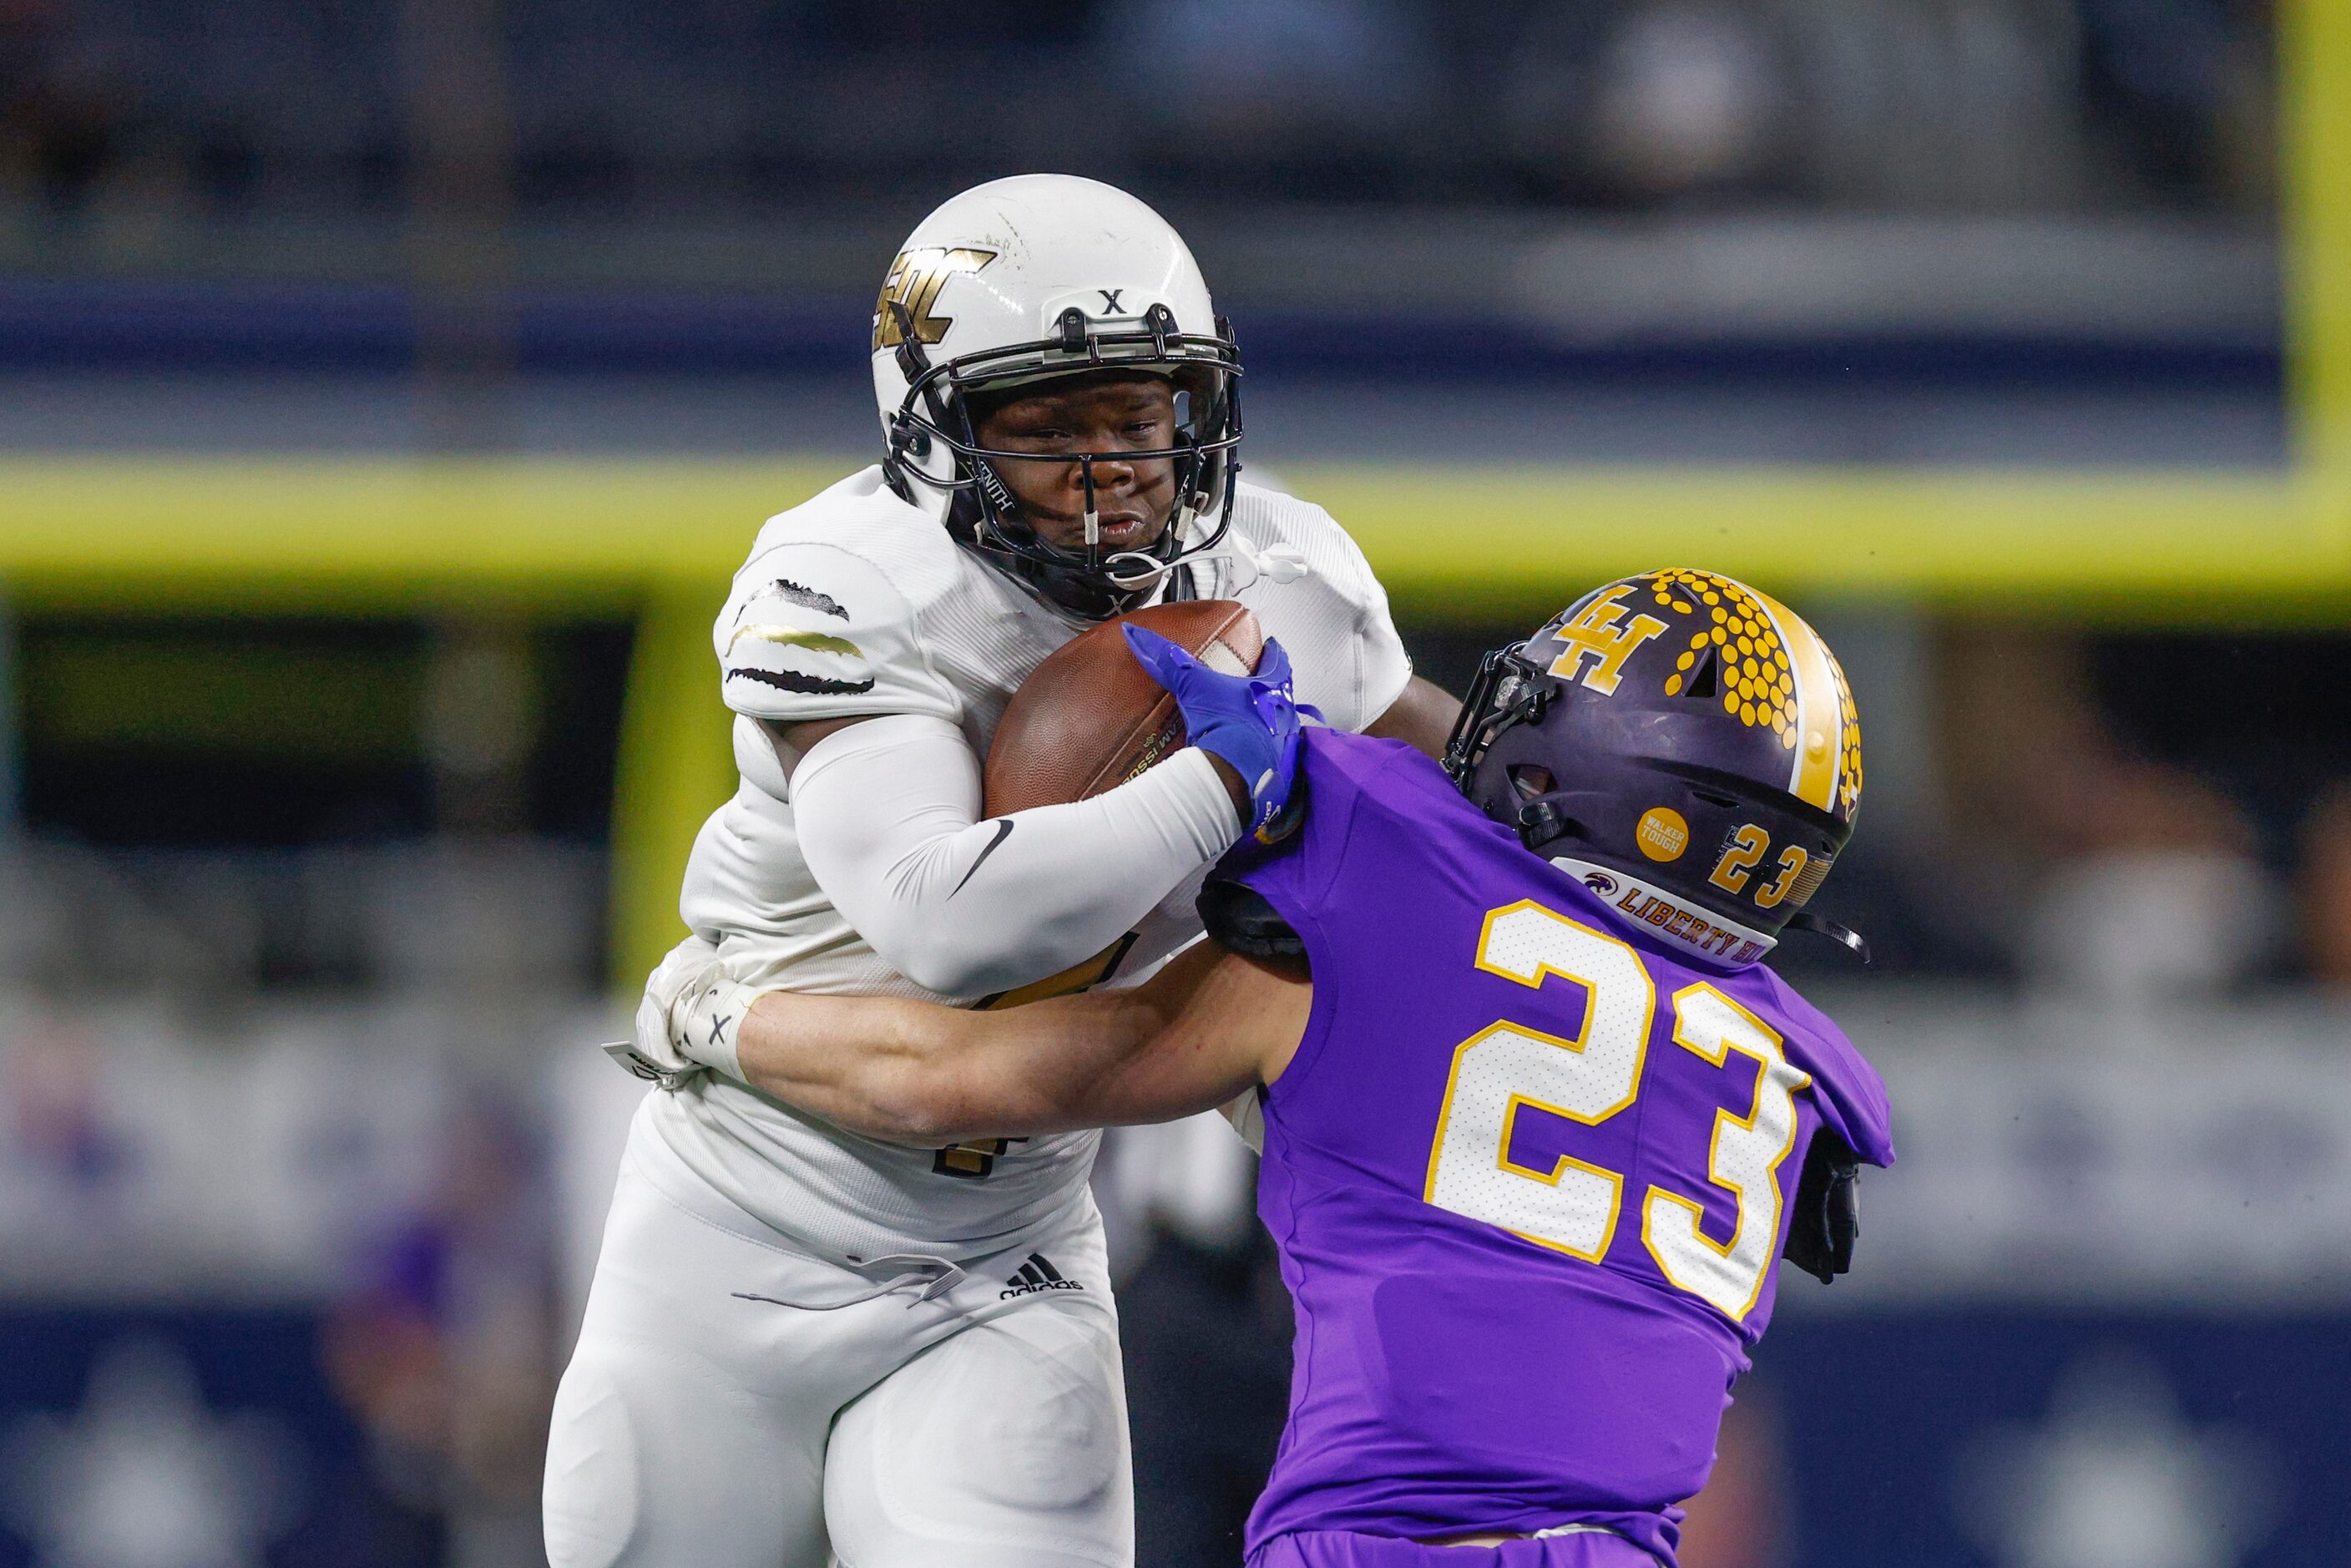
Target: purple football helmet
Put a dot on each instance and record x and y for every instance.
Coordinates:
(1685, 745)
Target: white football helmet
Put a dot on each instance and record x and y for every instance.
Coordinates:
(1040, 276)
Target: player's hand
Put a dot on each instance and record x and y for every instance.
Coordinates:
(1251, 722)
(1827, 1212)
(689, 1019)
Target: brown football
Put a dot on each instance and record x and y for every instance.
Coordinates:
(1089, 717)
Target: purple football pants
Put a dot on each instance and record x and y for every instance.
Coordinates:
(1342, 1549)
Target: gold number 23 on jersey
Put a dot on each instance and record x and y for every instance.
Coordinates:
(1573, 1207)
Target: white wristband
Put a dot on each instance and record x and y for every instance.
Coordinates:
(706, 1023)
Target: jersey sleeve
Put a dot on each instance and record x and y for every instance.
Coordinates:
(1852, 1096)
(1381, 665)
(813, 631)
(1269, 894)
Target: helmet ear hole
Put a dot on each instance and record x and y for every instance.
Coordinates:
(1531, 780)
(1704, 680)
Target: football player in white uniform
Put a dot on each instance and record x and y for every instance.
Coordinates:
(800, 1340)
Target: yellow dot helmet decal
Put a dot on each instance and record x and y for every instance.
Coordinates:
(1768, 670)
(1755, 677)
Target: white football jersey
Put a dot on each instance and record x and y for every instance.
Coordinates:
(855, 604)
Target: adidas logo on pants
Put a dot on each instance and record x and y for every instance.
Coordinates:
(1035, 1275)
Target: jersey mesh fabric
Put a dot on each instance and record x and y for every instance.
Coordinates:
(934, 629)
(1502, 1354)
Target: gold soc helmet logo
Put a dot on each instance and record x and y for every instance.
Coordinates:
(914, 281)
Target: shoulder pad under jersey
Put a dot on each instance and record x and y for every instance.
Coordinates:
(1335, 619)
(822, 621)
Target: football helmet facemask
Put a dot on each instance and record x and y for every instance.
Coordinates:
(1683, 744)
(1021, 280)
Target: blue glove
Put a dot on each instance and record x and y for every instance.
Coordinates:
(1250, 721)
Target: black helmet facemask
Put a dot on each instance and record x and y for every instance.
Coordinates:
(984, 516)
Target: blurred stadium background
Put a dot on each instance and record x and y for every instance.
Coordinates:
(387, 388)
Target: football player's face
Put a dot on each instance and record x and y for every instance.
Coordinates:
(1107, 411)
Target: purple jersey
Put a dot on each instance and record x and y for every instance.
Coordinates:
(1527, 1173)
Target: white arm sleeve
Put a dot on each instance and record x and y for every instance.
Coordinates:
(888, 817)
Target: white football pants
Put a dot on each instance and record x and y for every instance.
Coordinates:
(966, 1419)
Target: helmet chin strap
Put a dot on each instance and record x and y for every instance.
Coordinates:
(1129, 571)
(1275, 563)
(1820, 925)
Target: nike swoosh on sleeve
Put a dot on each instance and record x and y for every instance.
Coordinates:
(1003, 831)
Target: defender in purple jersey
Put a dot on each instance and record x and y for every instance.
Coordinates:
(1537, 1123)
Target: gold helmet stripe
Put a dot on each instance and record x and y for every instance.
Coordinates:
(1820, 712)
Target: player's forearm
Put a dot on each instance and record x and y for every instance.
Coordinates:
(887, 812)
(921, 1073)
(852, 1060)
(1219, 1024)
(1204, 1029)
